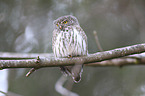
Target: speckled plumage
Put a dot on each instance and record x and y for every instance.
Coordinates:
(69, 40)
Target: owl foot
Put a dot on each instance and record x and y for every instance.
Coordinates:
(69, 56)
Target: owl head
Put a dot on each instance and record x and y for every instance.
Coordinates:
(64, 21)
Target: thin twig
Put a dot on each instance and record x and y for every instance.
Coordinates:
(30, 72)
(97, 41)
(33, 69)
(3, 92)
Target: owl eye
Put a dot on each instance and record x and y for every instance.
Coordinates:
(65, 22)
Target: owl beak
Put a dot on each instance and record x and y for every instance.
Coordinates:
(60, 27)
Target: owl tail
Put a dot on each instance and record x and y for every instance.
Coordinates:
(73, 71)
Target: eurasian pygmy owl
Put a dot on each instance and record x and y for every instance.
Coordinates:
(69, 40)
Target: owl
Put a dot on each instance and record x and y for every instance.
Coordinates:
(69, 40)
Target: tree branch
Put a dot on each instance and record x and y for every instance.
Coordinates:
(32, 62)
(97, 41)
(128, 60)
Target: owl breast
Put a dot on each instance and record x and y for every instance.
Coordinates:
(70, 42)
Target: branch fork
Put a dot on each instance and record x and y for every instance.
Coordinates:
(34, 69)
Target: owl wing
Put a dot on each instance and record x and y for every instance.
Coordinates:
(55, 33)
(79, 29)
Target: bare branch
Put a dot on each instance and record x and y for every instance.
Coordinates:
(33, 69)
(3, 92)
(119, 62)
(97, 41)
(91, 58)
(8, 55)
(30, 72)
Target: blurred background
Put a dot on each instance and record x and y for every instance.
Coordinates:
(27, 25)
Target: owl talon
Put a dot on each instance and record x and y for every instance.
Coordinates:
(69, 56)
